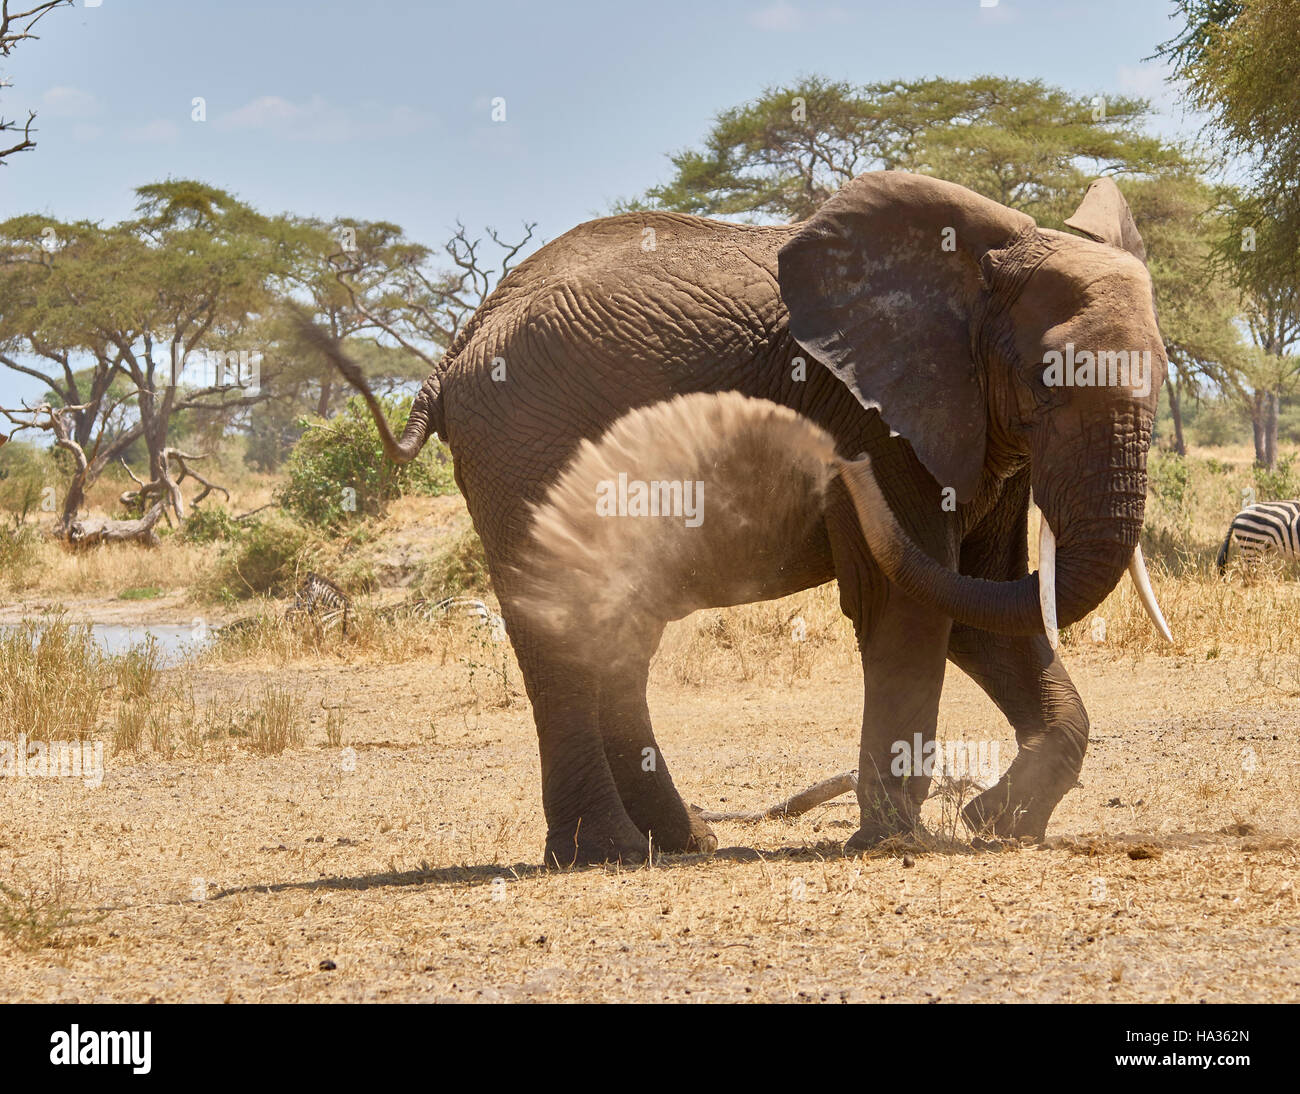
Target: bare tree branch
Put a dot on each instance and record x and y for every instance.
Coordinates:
(15, 27)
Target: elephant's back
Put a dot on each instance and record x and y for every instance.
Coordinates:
(619, 312)
(640, 277)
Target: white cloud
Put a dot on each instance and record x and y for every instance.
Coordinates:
(779, 16)
(269, 112)
(69, 102)
(154, 132)
(785, 18)
(316, 119)
(1147, 80)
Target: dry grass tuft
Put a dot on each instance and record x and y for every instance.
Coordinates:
(37, 918)
(52, 679)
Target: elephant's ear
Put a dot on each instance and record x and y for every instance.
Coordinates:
(881, 285)
(1104, 215)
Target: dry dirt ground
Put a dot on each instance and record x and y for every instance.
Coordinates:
(405, 868)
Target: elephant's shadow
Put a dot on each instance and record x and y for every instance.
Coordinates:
(1134, 844)
(486, 874)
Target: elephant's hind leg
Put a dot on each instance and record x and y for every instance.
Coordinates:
(638, 765)
(1027, 681)
(585, 819)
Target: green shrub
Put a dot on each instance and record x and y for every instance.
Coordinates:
(1216, 422)
(19, 556)
(266, 558)
(1168, 479)
(23, 470)
(1278, 484)
(460, 569)
(210, 523)
(338, 471)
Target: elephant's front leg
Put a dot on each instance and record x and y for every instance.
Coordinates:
(1025, 678)
(903, 657)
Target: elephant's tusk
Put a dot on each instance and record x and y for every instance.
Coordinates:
(1137, 570)
(1047, 580)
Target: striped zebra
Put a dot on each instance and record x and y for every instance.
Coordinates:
(322, 601)
(1266, 526)
(427, 609)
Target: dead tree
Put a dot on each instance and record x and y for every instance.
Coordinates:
(91, 533)
(434, 307)
(15, 27)
(169, 487)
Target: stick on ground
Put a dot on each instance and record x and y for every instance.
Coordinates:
(805, 800)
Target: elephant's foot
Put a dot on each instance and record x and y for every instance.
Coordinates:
(889, 817)
(592, 843)
(700, 838)
(673, 828)
(1009, 812)
(882, 837)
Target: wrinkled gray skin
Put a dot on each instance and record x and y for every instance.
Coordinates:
(943, 343)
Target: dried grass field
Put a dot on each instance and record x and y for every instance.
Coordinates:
(293, 816)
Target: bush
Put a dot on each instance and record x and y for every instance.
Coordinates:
(1278, 484)
(460, 570)
(51, 680)
(338, 471)
(1168, 481)
(19, 554)
(22, 480)
(266, 558)
(1216, 423)
(210, 523)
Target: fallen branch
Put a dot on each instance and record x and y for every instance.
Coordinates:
(90, 533)
(805, 800)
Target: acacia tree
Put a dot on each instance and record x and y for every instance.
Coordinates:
(166, 306)
(374, 248)
(1181, 219)
(413, 298)
(1237, 61)
(15, 27)
(1019, 142)
(200, 278)
(49, 272)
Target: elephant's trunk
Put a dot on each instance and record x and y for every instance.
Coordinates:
(1006, 607)
(1076, 573)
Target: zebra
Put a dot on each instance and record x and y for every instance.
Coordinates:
(1265, 526)
(322, 601)
(426, 609)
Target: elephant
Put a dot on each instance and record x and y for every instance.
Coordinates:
(917, 325)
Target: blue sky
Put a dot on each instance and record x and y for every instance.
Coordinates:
(383, 109)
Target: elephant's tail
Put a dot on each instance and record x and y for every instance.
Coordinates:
(700, 501)
(426, 417)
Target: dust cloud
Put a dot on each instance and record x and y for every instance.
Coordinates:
(703, 500)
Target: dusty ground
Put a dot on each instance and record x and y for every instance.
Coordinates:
(405, 870)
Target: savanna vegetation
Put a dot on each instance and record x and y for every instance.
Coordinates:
(389, 772)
